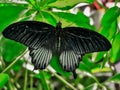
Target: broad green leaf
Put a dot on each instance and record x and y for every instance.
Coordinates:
(110, 15)
(46, 17)
(78, 19)
(88, 61)
(115, 78)
(8, 14)
(11, 49)
(50, 1)
(109, 32)
(84, 67)
(32, 2)
(50, 19)
(115, 51)
(18, 65)
(56, 65)
(67, 4)
(3, 79)
(40, 4)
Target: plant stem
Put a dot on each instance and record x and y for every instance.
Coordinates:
(14, 61)
(31, 82)
(63, 80)
(25, 81)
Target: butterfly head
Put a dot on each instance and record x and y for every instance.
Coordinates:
(58, 26)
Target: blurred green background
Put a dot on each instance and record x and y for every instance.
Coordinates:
(97, 71)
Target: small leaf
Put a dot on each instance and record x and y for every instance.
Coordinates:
(3, 79)
(115, 78)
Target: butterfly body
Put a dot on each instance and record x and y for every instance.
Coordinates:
(45, 40)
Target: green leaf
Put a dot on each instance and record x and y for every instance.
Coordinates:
(67, 4)
(8, 14)
(17, 66)
(56, 65)
(110, 15)
(109, 32)
(99, 56)
(115, 51)
(50, 1)
(46, 17)
(78, 19)
(50, 19)
(32, 2)
(88, 61)
(3, 79)
(115, 78)
(84, 67)
(11, 49)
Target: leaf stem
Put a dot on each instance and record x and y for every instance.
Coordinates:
(14, 61)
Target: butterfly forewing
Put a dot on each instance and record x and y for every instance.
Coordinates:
(31, 33)
(84, 41)
(38, 36)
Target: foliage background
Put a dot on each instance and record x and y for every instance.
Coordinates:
(97, 71)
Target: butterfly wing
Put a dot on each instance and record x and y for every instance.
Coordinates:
(30, 33)
(75, 42)
(38, 36)
(68, 58)
(84, 41)
(40, 57)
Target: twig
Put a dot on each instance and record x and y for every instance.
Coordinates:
(14, 61)
(63, 80)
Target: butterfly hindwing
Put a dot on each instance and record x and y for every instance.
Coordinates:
(31, 33)
(40, 57)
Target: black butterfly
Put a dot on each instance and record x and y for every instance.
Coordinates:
(45, 40)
